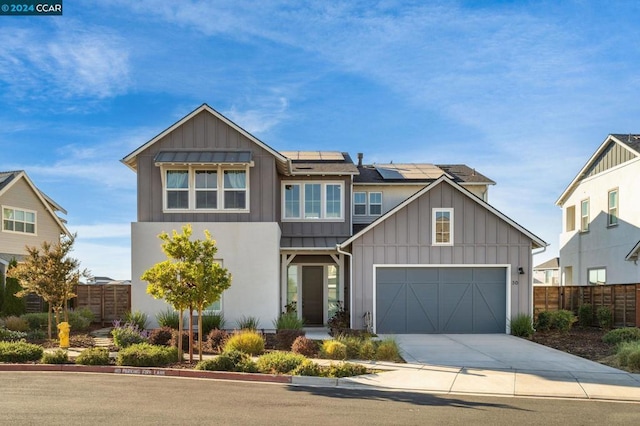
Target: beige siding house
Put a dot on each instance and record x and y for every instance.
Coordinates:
(311, 229)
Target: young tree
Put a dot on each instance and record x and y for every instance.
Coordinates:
(190, 278)
(50, 273)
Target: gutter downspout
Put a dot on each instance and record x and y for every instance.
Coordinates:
(350, 256)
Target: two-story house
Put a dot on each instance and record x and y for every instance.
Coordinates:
(600, 239)
(547, 273)
(406, 248)
(29, 217)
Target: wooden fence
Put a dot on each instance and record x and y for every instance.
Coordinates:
(622, 299)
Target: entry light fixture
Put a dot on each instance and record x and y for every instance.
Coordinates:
(520, 270)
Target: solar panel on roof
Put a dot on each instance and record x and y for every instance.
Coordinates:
(314, 155)
(409, 171)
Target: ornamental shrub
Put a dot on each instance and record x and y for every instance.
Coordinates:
(522, 326)
(15, 323)
(585, 315)
(11, 336)
(367, 350)
(345, 369)
(12, 305)
(36, 320)
(305, 346)
(288, 321)
(146, 355)
(279, 362)
(247, 341)
(94, 356)
(138, 318)
(216, 340)
(352, 343)
(340, 321)
(619, 335)
(561, 320)
(332, 349)
(307, 368)
(20, 352)
(248, 323)
(229, 361)
(183, 337)
(286, 337)
(544, 321)
(388, 350)
(168, 318)
(605, 317)
(625, 351)
(58, 357)
(127, 335)
(161, 336)
(211, 321)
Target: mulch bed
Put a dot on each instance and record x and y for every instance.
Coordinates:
(585, 342)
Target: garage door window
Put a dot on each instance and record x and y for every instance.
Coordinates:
(442, 227)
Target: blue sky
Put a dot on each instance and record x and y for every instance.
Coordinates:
(522, 91)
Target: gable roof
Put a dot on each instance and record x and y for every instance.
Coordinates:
(8, 179)
(553, 263)
(629, 142)
(538, 242)
(634, 253)
(130, 160)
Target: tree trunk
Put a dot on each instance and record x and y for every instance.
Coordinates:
(49, 321)
(190, 334)
(180, 335)
(200, 333)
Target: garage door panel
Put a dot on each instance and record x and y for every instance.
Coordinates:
(440, 300)
(422, 308)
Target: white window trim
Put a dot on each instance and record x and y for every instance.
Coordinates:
(433, 226)
(366, 198)
(597, 268)
(323, 201)
(220, 169)
(35, 218)
(369, 203)
(588, 215)
(616, 208)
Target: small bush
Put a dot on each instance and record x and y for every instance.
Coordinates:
(210, 321)
(626, 350)
(388, 350)
(522, 326)
(352, 343)
(19, 352)
(127, 335)
(14, 323)
(367, 350)
(585, 315)
(340, 321)
(86, 313)
(285, 338)
(345, 369)
(279, 362)
(332, 349)
(11, 336)
(619, 335)
(288, 321)
(229, 361)
(58, 357)
(78, 322)
(184, 337)
(247, 341)
(633, 361)
(36, 335)
(168, 318)
(304, 346)
(605, 317)
(544, 321)
(161, 336)
(216, 340)
(248, 323)
(137, 318)
(307, 368)
(146, 355)
(94, 356)
(36, 320)
(561, 320)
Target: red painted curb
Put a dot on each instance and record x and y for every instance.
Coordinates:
(149, 371)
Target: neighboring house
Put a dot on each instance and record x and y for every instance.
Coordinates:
(600, 239)
(406, 248)
(547, 273)
(29, 217)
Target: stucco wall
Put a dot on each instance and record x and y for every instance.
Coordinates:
(250, 251)
(604, 246)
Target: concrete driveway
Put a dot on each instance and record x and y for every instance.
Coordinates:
(491, 351)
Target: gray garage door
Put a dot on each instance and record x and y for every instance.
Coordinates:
(440, 300)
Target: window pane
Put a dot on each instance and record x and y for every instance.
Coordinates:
(597, 276)
(177, 179)
(334, 201)
(19, 226)
(360, 203)
(177, 200)
(30, 217)
(332, 291)
(8, 213)
(292, 201)
(360, 209)
(292, 284)
(206, 179)
(19, 215)
(206, 199)
(375, 197)
(215, 306)
(235, 179)
(30, 228)
(312, 204)
(234, 199)
(8, 225)
(359, 197)
(443, 227)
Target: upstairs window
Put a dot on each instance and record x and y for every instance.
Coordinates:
(570, 218)
(210, 189)
(312, 201)
(375, 203)
(612, 212)
(584, 215)
(359, 203)
(16, 220)
(442, 226)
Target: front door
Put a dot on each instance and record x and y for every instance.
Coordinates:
(312, 295)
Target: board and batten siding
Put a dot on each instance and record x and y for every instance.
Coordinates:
(480, 238)
(318, 228)
(206, 132)
(21, 196)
